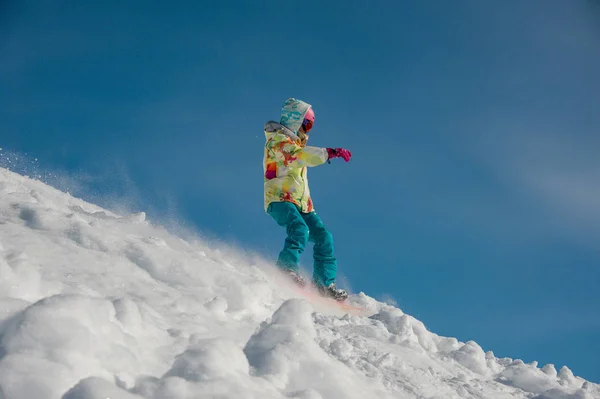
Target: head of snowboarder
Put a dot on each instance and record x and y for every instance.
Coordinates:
(298, 117)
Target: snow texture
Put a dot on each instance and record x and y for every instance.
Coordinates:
(97, 305)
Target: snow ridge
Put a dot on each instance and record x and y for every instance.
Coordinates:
(98, 305)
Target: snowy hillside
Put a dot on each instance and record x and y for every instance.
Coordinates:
(97, 305)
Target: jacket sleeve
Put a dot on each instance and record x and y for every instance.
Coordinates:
(290, 154)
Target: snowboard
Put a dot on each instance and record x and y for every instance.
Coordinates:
(314, 297)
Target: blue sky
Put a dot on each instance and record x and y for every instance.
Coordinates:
(472, 199)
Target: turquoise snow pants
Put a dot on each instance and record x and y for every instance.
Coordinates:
(301, 228)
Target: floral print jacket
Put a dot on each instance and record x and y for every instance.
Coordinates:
(286, 158)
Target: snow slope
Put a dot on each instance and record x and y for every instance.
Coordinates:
(98, 305)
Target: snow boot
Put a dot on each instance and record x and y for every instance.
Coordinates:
(331, 291)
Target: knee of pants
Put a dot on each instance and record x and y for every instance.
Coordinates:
(298, 231)
(323, 237)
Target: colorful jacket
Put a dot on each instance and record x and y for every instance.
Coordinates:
(286, 158)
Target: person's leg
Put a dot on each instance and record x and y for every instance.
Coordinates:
(325, 266)
(287, 215)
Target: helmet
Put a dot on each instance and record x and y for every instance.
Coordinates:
(310, 115)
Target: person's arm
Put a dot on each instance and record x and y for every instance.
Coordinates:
(290, 154)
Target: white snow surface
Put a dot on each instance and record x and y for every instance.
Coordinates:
(97, 305)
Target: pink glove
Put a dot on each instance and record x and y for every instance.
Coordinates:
(339, 153)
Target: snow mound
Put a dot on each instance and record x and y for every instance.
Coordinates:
(97, 305)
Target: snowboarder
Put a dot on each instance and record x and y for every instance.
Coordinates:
(287, 197)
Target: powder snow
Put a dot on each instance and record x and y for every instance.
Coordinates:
(95, 305)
